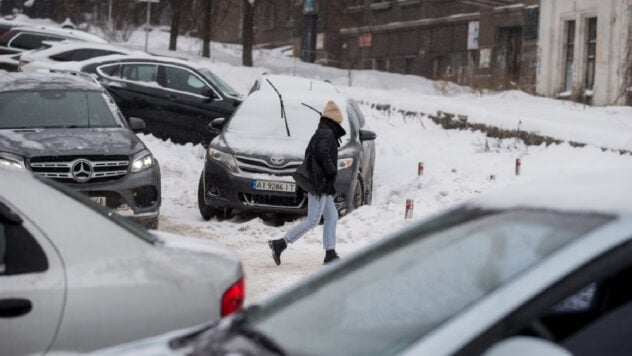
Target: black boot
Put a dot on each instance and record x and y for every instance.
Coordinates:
(277, 246)
(330, 255)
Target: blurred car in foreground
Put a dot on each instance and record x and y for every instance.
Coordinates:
(66, 127)
(249, 166)
(58, 53)
(176, 98)
(543, 268)
(75, 277)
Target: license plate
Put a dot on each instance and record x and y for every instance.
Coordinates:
(273, 186)
(98, 200)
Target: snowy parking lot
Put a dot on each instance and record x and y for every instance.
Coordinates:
(459, 164)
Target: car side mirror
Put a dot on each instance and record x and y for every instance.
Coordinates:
(209, 93)
(136, 124)
(524, 345)
(216, 126)
(367, 135)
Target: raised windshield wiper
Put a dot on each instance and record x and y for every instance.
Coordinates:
(283, 115)
(213, 339)
(311, 107)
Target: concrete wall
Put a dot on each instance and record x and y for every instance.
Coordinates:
(613, 21)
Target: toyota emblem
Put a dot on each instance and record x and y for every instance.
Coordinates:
(277, 160)
(81, 170)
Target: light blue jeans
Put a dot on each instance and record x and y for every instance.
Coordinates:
(315, 209)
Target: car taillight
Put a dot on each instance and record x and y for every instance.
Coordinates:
(5, 34)
(23, 62)
(233, 298)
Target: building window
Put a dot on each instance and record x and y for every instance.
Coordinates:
(569, 52)
(591, 51)
(380, 64)
(410, 61)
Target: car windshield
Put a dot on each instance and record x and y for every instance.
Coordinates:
(218, 82)
(56, 109)
(260, 115)
(391, 297)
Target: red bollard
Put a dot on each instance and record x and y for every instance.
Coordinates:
(409, 209)
(420, 169)
(518, 164)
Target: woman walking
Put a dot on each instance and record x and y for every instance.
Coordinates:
(321, 158)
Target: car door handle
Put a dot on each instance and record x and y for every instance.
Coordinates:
(14, 307)
(172, 97)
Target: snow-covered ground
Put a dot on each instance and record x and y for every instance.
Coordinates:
(458, 164)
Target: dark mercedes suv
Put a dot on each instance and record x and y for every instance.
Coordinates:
(67, 128)
(249, 166)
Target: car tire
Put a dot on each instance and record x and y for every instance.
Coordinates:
(368, 191)
(206, 211)
(358, 194)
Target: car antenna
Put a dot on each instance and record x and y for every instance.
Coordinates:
(283, 115)
(319, 113)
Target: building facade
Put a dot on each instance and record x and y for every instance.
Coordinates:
(486, 43)
(585, 50)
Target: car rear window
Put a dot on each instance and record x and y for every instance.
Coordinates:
(31, 40)
(56, 109)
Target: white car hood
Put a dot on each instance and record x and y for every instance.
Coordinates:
(264, 146)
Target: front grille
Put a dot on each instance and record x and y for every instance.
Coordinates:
(256, 165)
(80, 169)
(275, 201)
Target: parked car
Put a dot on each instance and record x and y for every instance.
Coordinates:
(69, 129)
(176, 98)
(61, 52)
(19, 39)
(542, 268)
(74, 277)
(248, 166)
(5, 28)
(10, 62)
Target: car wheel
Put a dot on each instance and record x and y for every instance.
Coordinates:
(358, 194)
(152, 224)
(206, 211)
(368, 191)
(223, 214)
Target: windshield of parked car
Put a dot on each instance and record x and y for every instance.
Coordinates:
(260, 115)
(218, 82)
(415, 282)
(56, 109)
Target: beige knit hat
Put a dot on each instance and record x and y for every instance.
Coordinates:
(332, 112)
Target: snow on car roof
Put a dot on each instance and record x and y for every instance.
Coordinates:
(43, 81)
(77, 34)
(607, 192)
(74, 44)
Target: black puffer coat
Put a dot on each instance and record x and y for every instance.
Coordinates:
(321, 156)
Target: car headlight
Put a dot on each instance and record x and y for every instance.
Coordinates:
(142, 163)
(345, 163)
(11, 160)
(224, 158)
